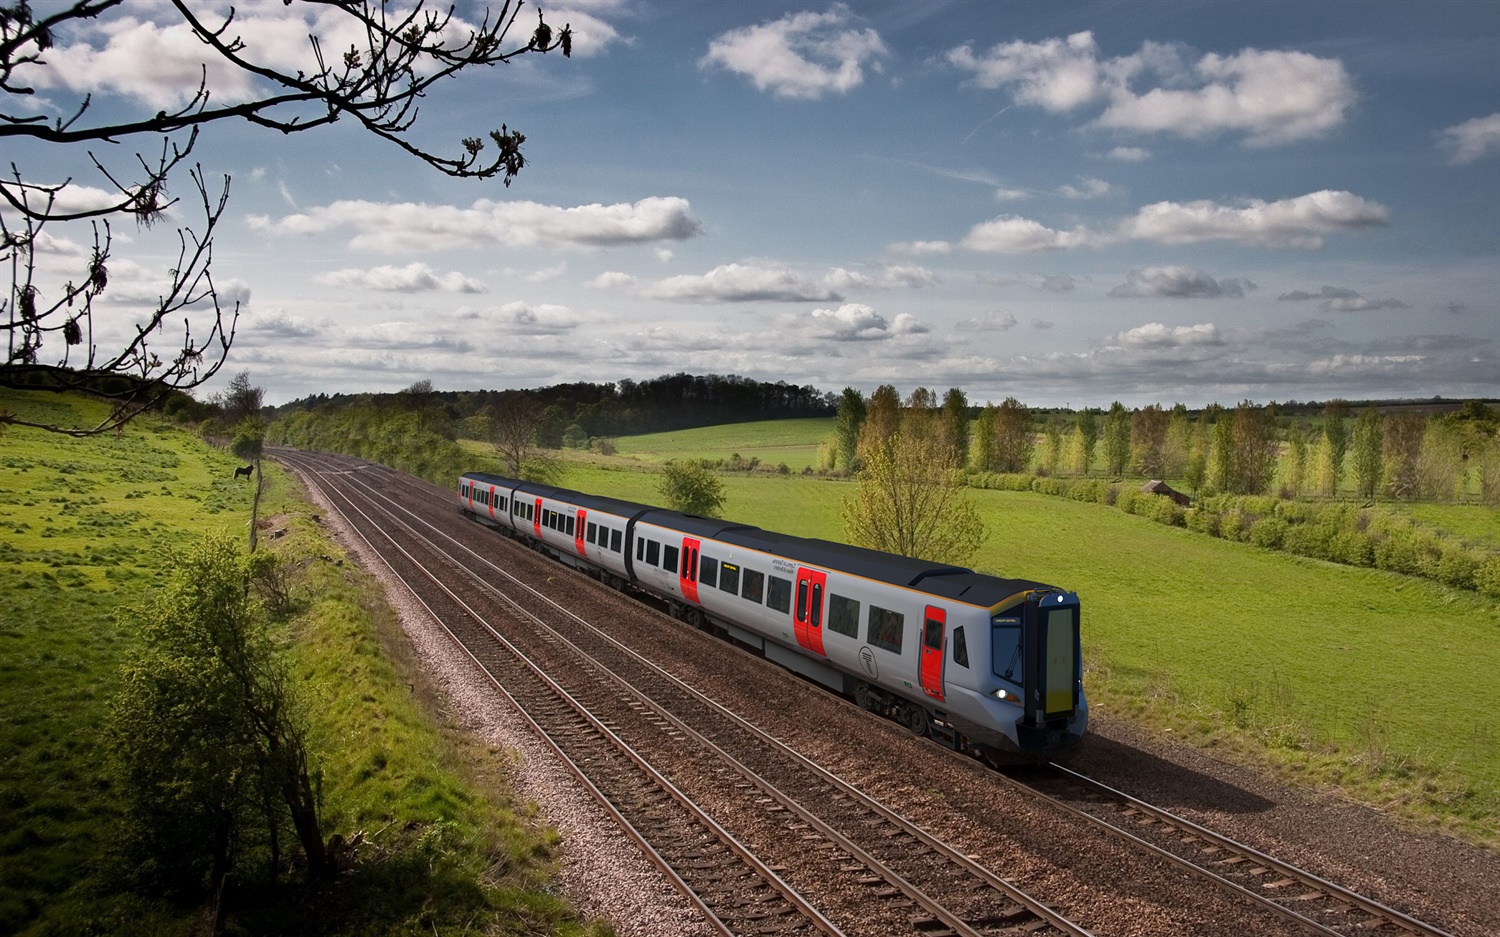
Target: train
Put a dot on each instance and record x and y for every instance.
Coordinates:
(988, 666)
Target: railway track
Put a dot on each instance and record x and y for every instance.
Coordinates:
(1317, 904)
(707, 794)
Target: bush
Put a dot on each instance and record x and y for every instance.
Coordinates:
(1126, 500)
(1203, 522)
(1314, 540)
(1354, 547)
(1235, 526)
(1409, 551)
(1487, 577)
(1268, 532)
(1164, 511)
(1457, 566)
(1088, 489)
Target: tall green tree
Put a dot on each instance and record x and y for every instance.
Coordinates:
(1179, 444)
(882, 417)
(1116, 439)
(205, 738)
(956, 420)
(1086, 433)
(1368, 444)
(911, 501)
(1294, 466)
(1218, 475)
(1013, 436)
(846, 426)
(982, 443)
(1335, 444)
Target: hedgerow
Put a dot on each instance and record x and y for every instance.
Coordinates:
(1338, 532)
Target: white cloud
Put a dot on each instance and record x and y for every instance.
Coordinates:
(414, 226)
(412, 278)
(856, 322)
(1294, 222)
(524, 319)
(801, 55)
(734, 283)
(1128, 154)
(1341, 299)
(1155, 335)
(279, 324)
(664, 254)
(1179, 283)
(922, 247)
(1003, 194)
(1086, 188)
(989, 322)
(546, 274)
(1270, 97)
(1012, 234)
(1472, 139)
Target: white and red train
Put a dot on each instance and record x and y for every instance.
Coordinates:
(983, 664)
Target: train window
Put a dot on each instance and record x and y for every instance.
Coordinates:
(669, 559)
(708, 572)
(640, 549)
(932, 634)
(614, 540)
(960, 647)
(591, 532)
(779, 594)
(690, 563)
(843, 615)
(1005, 649)
(815, 619)
(729, 578)
(571, 520)
(754, 587)
(886, 628)
(653, 552)
(802, 600)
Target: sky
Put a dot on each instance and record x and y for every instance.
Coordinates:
(1068, 203)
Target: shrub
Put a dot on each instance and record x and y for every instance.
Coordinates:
(1457, 566)
(1409, 551)
(1487, 577)
(1087, 489)
(1314, 540)
(1166, 511)
(1268, 532)
(1354, 547)
(1235, 525)
(1109, 495)
(1126, 499)
(1203, 522)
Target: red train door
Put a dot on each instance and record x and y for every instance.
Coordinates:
(492, 502)
(807, 611)
(688, 577)
(536, 519)
(578, 531)
(934, 626)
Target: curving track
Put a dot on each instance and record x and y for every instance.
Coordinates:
(763, 838)
(757, 835)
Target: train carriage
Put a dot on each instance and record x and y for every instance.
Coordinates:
(982, 663)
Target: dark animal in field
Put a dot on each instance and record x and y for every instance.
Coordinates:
(244, 472)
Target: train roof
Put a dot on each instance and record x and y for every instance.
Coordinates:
(939, 579)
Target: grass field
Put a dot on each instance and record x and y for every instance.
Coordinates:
(1373, 682)
(86, 526)
(794, 442)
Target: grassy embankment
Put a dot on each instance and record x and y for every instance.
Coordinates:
(85, 526)
(1374, 683)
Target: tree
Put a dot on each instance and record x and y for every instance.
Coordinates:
(1087, 434)
(882, 416)
(1294, 463)
(1252, 454)
(204, 735)
(1148, 440)
(1402, 454)
(1218, 472)
(1116, 439)
(1179, 445)
(1335, 443)
(514, 422)
(1013, 442)
(956, 421)
(1052, 436)
(690, 488)
(911, 501)
(399, 56)
(1368, 444)
(846, 426)
(982, 447)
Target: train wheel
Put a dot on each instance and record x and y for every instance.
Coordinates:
(915, 718)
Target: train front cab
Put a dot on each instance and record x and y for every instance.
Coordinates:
(1036, 650)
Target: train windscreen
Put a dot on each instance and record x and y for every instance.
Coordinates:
(1006, 651)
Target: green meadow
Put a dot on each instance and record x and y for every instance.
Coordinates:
(793, 442)
(1377, 684)
(86, 526)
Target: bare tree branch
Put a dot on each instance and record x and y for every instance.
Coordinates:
(378, 81)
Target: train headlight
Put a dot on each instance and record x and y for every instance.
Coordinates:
(1005, 695)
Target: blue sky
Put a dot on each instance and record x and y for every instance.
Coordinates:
(1069, 203)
